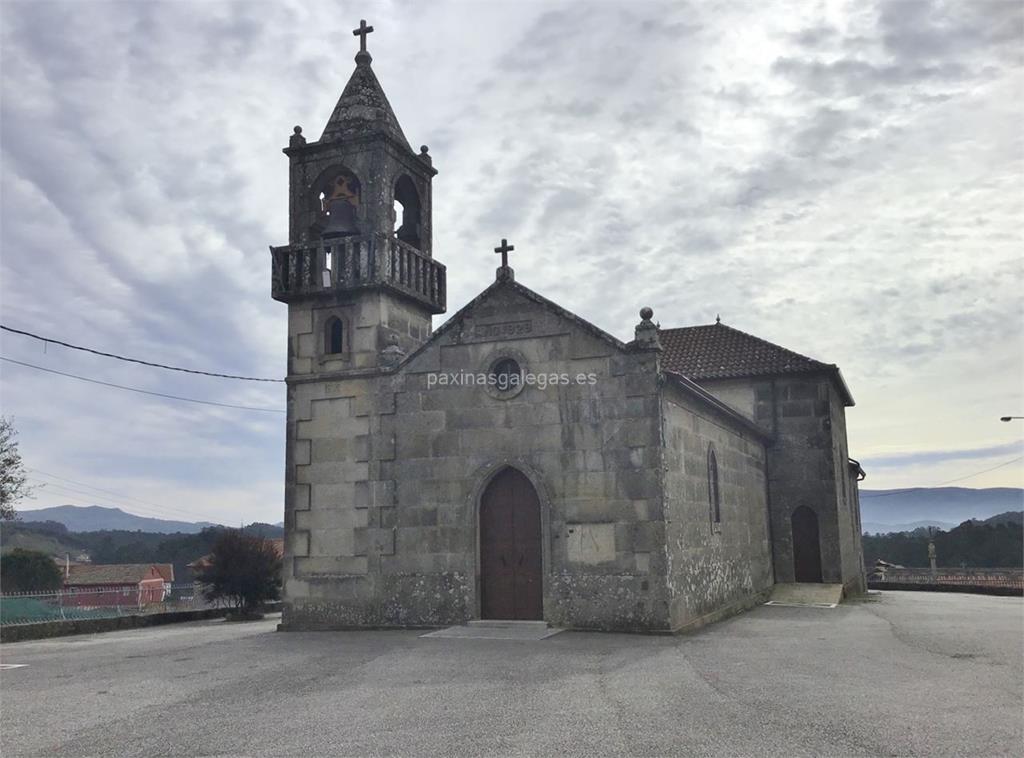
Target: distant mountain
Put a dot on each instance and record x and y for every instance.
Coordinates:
(875, 528)
(887, 509)
(1010, 517)
(94, 518)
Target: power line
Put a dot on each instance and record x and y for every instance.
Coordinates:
(87, 499)
(100, 500)
(950, 481)
(115, 493)
(136, 360)
(144, 392)
(979, 473)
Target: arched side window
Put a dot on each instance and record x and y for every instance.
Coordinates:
(407, 211)
(714, 495)
(334, 336)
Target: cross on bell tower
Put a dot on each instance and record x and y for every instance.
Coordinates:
(362, 56)
(361, 32)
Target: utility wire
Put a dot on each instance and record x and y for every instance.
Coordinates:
(91, 498)
(979, 473)
(135, 360)
(94, 499)
(144, 392)
(87, 499)
(950, 481)
(115, 493)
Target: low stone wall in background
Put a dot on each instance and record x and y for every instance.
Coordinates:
(989, 581)
(47, 629)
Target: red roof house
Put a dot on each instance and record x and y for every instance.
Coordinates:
(89, 584)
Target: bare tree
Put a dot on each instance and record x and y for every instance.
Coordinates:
(14, 484)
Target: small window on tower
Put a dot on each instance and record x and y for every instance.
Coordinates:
(334, 336)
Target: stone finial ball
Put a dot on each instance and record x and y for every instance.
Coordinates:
(424, 149)
(298, 130)
(646, 313)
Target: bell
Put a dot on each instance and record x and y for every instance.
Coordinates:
(341, 219)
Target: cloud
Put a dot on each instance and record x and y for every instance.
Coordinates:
(843, 183)
(941, 456)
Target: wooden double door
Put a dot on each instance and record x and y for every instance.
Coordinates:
(511, 566)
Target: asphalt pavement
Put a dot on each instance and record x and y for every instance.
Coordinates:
(898, 674)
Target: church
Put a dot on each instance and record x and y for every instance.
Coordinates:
(519, 462)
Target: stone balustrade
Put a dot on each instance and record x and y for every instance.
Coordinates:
(349, 263)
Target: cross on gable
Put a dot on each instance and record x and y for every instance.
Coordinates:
(504, 249)
(361, 32)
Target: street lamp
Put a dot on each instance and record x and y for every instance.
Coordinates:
(1010, 418)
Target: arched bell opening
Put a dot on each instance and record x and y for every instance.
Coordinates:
(407, 212)
(337, 194)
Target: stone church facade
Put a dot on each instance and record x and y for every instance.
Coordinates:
(519, 462)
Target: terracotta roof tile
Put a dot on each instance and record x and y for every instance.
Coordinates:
(717, 351)
(114, 573)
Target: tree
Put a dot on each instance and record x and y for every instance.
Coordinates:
(13, 480)
(243, 570)
(29, 571)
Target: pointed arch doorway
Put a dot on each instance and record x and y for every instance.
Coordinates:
(511, 567)
(806, 545)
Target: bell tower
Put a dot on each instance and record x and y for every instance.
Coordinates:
(361, 286)
(358, 274)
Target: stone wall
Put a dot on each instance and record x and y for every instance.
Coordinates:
(738, 394)
(801, 468)
(370, 320)
(807, 465)
(389, 537)
(713, 568)
(848, 505)
(994, 581)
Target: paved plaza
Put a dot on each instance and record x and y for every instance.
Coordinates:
(898, 674)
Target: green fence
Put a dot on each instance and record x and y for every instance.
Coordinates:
(102, 602)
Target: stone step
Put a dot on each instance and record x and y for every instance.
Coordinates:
(507, 624)
(487, 629)
(807, 593)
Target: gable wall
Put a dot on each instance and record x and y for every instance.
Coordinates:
(738, 394)
(403, 460)
(713, 570)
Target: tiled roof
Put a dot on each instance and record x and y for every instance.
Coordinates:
(717, 351)
(113, 573)
(166, 571)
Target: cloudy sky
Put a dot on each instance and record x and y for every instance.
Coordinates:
(843, 178)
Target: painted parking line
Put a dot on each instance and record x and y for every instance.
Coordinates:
(12, 666)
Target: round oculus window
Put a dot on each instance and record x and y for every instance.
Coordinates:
(506, 376)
